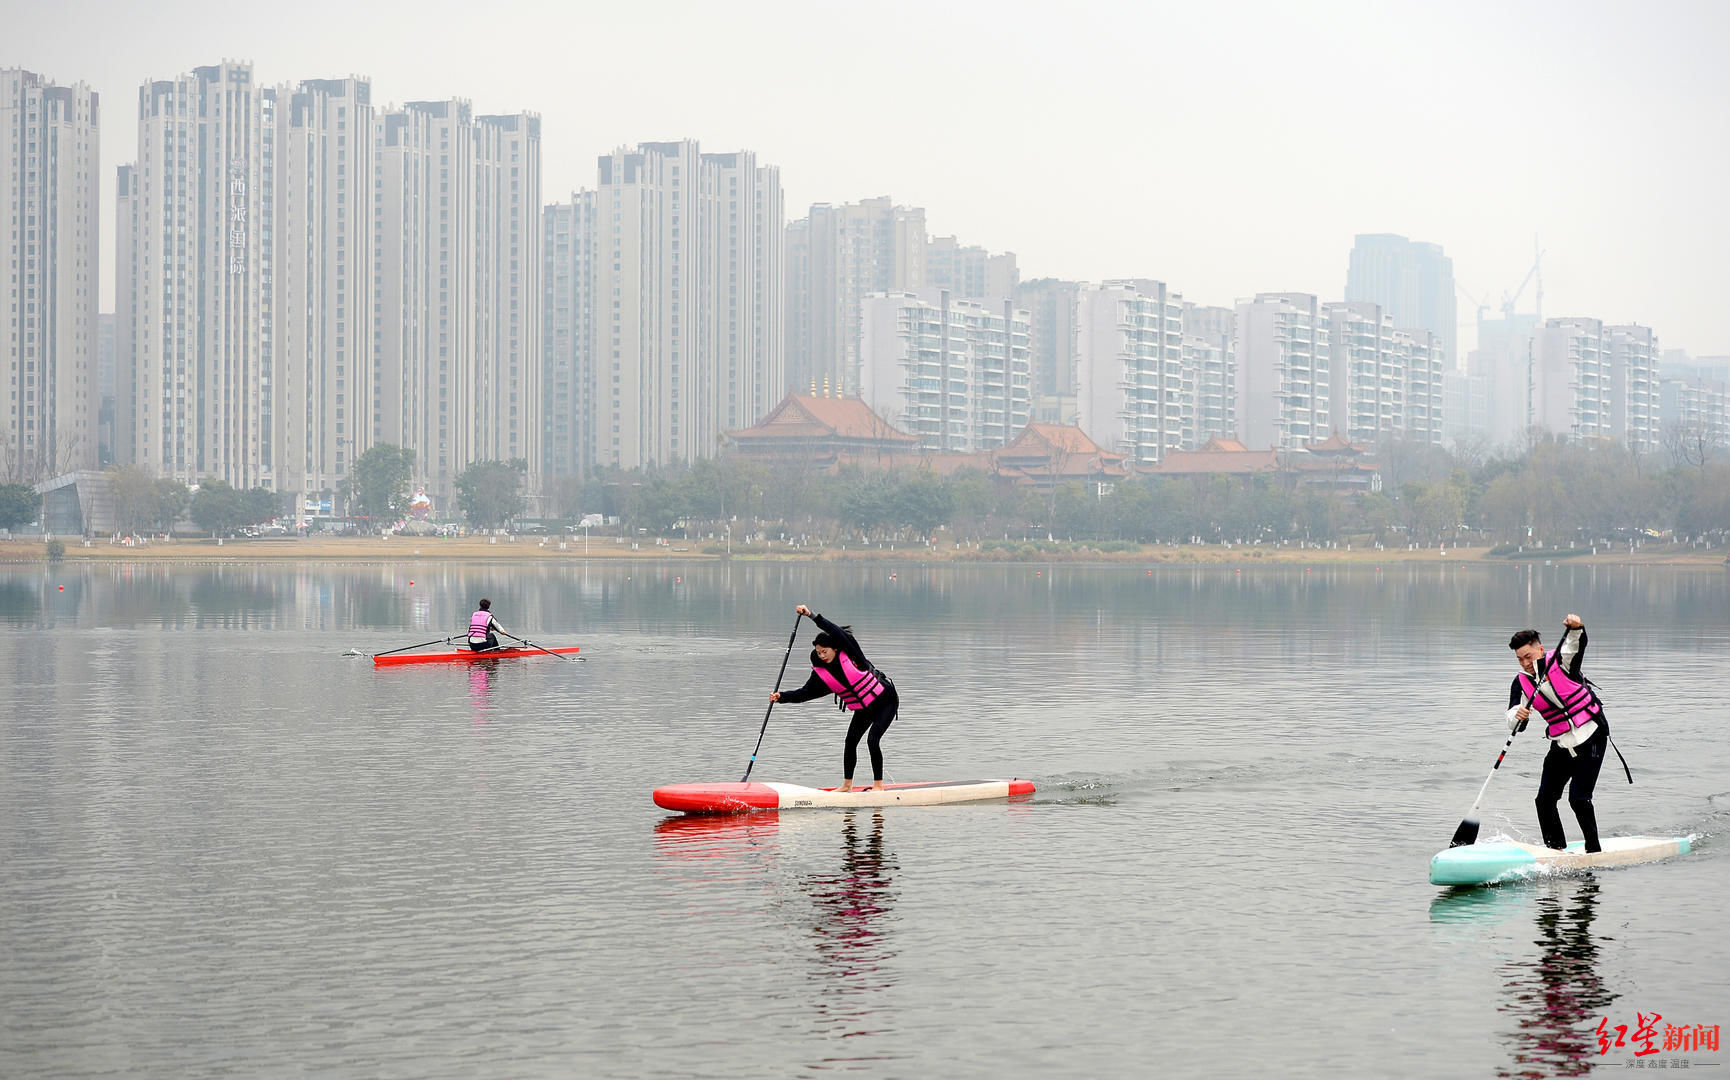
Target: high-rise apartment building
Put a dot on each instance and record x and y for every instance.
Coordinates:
(688, 324)
(1694, 412)
(106, 349)
(124, 447)
(1571, 387)
(1366, 372)
(457, 359)
(317, 416)
(838, 255)
(49, 292)
(1050, 307)
(749, 315)
(1132, 394)
(303, 276)
(1210, 361)
(1284, 376)
(423, 353)
(1634, 357)
(567, 312)
(1411, 280)
(954, 372)
(507, 289)
(1423, 356)
(1502, 362)
(196, 216)
(970, 272)
(1465, 408)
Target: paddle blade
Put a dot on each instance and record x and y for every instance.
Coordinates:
(1466, 834)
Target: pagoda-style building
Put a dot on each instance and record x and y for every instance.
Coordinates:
(1336, 462)
(1045, 456)
(823, 432)
(1219, 457)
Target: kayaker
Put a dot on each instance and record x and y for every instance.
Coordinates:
(839, 667)
(1573, 720)
(484, 630)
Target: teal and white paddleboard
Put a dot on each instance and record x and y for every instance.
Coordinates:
(1510, 860)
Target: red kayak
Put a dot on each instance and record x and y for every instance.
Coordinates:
(464, 656)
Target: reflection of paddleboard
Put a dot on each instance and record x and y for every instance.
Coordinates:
(1510, 860)
(722, 798)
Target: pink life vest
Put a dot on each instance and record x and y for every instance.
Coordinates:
(1578, 705)
(861, 687)
(478, 624)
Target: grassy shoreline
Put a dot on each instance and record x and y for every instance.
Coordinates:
(376, 550)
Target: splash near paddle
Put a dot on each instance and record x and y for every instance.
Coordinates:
(731, 798)
(1510, 860)
(464, 656)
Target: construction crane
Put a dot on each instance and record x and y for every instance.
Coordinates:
(1509, 300)
(1482, 307)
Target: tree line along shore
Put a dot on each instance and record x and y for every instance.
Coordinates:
(531, 549)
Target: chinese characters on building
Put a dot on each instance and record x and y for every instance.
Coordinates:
(237, 216)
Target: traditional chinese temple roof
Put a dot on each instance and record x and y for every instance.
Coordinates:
(807, 416)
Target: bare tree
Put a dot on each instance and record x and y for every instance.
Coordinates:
(1690, 442)
(1056, 467)
(55, 457)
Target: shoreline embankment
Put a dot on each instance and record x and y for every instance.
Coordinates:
(534, 549)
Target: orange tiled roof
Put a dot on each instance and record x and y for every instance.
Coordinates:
(1333, 444)
(809, 416)
(1218, 460)
(1039, 440)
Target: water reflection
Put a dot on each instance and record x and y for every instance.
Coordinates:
(850, 929)
(1557, 999)
(723, 850)
(20, 601)
(713, 834)
(482, 673)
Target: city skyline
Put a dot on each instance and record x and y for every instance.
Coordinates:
(1628, 240)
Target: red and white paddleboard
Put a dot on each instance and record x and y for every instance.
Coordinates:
(723, 798)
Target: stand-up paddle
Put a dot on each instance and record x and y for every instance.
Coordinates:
(405, 648)
(790, 638)
(532, 645)
(1467, 833)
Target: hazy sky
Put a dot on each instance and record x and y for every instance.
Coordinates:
(1225, 148)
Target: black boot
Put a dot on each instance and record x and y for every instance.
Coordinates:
(1588, 819)
(1550, 824)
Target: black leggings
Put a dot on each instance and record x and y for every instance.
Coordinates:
(491, 643)
(1579, 773)
(875, 718)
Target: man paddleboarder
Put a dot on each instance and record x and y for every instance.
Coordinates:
(484, 629)
(1574, 721)
(839, 667)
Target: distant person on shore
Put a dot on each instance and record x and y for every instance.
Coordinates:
(484, 629)
(1573, 720)
(839, 667)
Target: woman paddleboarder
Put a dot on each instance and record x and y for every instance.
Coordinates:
(1551, 685)
(839, 667)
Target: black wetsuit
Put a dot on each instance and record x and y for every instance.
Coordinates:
(874, 718)
(1577, 771)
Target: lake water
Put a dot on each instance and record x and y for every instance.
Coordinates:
(228, 850)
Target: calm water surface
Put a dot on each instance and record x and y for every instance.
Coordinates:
(227, 850)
